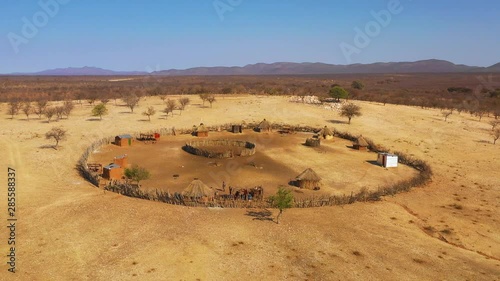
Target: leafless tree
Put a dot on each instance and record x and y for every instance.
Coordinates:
(183, 102)
(131, 101)
(211, 99)
(49, 113)
(13, 108)
(68, 108)
(203, 98)
(56, 133)
(149, 112)
(171, 104)
(27, 109)
(41, 105)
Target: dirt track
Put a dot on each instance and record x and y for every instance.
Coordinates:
(69, 230)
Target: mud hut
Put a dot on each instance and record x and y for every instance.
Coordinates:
(121, 160)
(198, 190)
(112, 172)
(202, 131)
(308, 180)
(236, 129)
(123, 140)
(360, 144)
(264, 126)
(326, 133)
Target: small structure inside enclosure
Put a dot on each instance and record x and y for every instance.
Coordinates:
(360, 144)
(308, 180)
(121, 160)
(112, 172)
(147, 138)
(255, 194)
(263, 126)
(313, 142)
(236, 129)
(387, 160)
(287, 130)
(123, 140)
(326, 133)
(95, 168)
(220, 148)
(201, 131)
(197, 190)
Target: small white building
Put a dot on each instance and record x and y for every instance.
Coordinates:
(387, 160)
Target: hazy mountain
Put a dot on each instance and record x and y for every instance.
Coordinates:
(82, 71)
(286, 68)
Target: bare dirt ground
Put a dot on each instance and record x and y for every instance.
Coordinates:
(70, 230)
(278, 160)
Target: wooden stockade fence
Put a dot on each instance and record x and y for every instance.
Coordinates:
(422, 178)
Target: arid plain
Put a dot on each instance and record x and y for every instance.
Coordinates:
(70, 230)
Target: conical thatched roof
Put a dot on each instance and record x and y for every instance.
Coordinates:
(361, 142)
(264, 125)
(201, 128)
(197, 189)
(326, 132)
(308, 175)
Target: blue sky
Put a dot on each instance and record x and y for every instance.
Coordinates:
(149, 35)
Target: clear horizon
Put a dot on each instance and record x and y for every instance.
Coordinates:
(149, 36)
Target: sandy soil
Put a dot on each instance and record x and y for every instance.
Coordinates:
(278, 160)
(70, 230)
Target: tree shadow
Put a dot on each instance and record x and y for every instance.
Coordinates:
(483, 141)
(93, 119)
(334, 121)
(262, 215)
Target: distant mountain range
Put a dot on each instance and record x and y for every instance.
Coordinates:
(283, 68)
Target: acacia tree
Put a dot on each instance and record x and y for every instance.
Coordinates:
(13, 108)
(137, 174)
(56, 133)
(41, 105)
(68, 107)
(27, 109)
(338, 93)
(282, 200)
(203, 98)
(100, 110)
(170, 106)
(49, 113)
(149, 112)
(350, 110)
(211, 99)
(131, 101)
(494, 124)
(183, 102)
(59, 110)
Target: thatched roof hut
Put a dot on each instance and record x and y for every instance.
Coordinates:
(361, 143)
(201, 131)
(308, 179)
(264, 126)
(197, 189)
(326, 133)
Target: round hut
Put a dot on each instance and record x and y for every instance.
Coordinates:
(360, 144)
(198, 190)
(264, 126)
(313, 142)
(326, 133)
(201, 131)
(308, 180)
